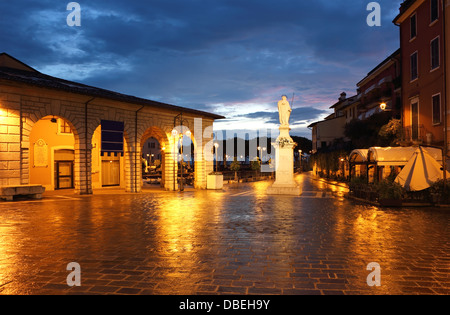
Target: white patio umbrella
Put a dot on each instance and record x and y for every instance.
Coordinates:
(421, 171)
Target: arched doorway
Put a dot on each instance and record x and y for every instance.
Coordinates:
(178, 144)
(186, 160)
(154, 146)
(151, 157)
(108, 168)
(52, 159)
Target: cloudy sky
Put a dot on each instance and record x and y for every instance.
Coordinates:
(231, 57)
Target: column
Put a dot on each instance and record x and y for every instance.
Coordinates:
(82, 168)
(10, 148)
(171, 170)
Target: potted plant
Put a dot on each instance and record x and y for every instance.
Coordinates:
(358, 186)
(235, 167)
(439, 193)
(256, 166)
(389, 193)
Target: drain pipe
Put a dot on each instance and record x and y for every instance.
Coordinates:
(136, 184)
(86, 163)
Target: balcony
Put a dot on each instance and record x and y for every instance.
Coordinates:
(414, 135)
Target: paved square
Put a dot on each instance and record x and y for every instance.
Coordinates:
(236, 241)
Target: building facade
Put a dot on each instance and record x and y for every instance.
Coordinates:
(423, 53)
(382, 85)
(447, 73)
(63, 134)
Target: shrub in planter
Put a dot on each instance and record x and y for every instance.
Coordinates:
(439, 193)
(388, 190)
(256, 166)
(358, 183)
(235, 167)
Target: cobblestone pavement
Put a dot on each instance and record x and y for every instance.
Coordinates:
(236, 241)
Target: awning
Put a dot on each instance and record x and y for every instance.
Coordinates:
(358, 156)
(421, 171)
(398, 156)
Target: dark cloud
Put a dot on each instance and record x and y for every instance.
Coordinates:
(298, 115)
(206, 54)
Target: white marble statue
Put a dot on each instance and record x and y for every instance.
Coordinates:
(284, 110)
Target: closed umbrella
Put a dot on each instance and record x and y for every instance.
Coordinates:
(421, 171)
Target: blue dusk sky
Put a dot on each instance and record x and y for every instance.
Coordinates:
(235, 58)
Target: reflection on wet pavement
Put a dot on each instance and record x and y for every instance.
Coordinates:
(239, 240)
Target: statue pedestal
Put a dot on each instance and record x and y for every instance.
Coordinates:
(284, 177)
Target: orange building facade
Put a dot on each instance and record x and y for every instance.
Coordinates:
(423, 54)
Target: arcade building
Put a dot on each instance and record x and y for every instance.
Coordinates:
(66, 135)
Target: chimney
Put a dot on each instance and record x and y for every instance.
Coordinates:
(343, 96)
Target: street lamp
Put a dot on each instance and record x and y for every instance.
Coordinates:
(383, 106)
(216, 145)
(300, 158)
(174, 134)
(343, 167)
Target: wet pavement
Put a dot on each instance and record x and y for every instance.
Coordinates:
(236, 241)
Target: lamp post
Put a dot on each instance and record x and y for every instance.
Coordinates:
(175, 133)
(216, 145)
(300, 158)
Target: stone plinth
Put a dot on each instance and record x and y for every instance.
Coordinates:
(284, 178)
(33, 191)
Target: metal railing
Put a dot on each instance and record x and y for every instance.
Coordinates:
(414, 133)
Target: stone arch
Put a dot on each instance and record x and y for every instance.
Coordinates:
(157, 133)
(31, 119)
(29, 125)
(162, 136)
(97, 159)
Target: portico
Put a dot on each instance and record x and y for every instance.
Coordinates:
(49, 124)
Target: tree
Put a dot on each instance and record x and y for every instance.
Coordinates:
(365, 133)
(256, 165)
(235, 166)
(391, 132)
(303, 144)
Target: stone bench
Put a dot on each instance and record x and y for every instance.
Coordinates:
(33, 191)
